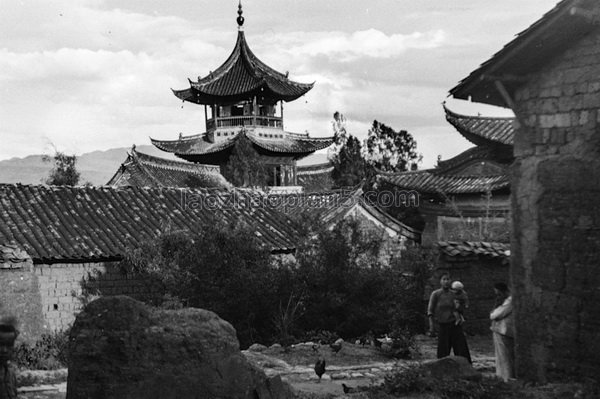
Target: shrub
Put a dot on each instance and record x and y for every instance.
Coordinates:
(416, 380)
(48, 353)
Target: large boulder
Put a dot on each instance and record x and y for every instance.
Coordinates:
(121, 348)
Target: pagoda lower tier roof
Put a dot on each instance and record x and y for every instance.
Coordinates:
(481, 130)
(143, 170)
(241, 77)
(430, 182)
(291, 144)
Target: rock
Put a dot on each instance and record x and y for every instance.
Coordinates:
(257, 348)
(276, 347)
(451, 368)
(121, 348)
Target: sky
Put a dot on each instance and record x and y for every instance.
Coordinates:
(85, 75)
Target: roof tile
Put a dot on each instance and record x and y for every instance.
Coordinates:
(56, 223)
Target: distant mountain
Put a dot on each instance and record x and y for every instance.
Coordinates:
(96, 167)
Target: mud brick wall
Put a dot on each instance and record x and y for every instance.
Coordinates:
(20, 296)
(65, 287)
(478, 274)
(556, 217)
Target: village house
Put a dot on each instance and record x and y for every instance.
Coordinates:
(549, 75)
(55, 239)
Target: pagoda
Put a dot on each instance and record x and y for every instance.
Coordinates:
(244, 97)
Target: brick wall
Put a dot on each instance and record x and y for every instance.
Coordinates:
(64, 287)
(556, 217)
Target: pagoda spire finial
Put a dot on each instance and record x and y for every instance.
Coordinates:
(240, 18)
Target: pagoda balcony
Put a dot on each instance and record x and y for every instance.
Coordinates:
(249, 121)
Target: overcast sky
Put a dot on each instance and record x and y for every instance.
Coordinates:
(96, 74)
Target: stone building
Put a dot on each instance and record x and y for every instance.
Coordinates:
(549, 75)
(56, 241)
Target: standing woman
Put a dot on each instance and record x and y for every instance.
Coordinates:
(503, 330)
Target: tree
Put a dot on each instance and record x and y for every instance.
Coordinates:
(388, 150)
(245, 167)
(349, 167)
(222, 268)
(64, 172)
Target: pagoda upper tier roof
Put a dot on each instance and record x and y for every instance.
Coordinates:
(298, 145)
(243, 76)
(483, 130)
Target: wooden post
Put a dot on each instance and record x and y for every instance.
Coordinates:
(205, 118)
(254, 111)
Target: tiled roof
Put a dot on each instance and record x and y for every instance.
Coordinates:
(148, 171)
(473, 153)
(332, 206)
(467, 248)
(483, 130)
(428, 181)
(315, 177)
(193, 145)
(297, 144)
(529, 51)
(242, 76)
(60, 223)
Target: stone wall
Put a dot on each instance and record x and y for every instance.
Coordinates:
(478, 274)
(20, 296)
(556, 217)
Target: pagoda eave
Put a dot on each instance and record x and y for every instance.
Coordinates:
(196, 96)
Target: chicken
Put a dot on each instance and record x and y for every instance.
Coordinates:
(347, 389)
(320, 368)
(336, 346)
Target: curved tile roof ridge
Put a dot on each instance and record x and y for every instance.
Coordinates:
(427, 182)
(482, 130)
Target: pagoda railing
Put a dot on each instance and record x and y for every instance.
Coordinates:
(233, 121)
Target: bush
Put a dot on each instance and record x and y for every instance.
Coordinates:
(415, 380)
(48, 353)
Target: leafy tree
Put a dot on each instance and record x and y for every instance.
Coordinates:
(222, 268)
(64, 172)
(245, 167)
(388, 150)
(349, 167)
